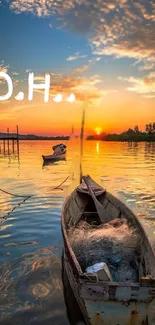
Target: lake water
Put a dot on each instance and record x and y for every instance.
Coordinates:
(31, 289)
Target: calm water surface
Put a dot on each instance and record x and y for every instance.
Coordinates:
(31, 289)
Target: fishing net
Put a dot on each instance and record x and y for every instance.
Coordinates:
(114, 243)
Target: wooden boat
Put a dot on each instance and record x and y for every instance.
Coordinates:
(59, 153)
(108, 302)
(55, 157)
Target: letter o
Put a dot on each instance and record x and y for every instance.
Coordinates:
(10, 86)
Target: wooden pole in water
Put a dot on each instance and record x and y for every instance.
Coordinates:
(13, 146)
(8, 140)
(17, 140)
(82, 136)
(4, 145)
(17, 132)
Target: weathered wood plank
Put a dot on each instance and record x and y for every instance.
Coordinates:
(74, 211)
(112, 211)
(81, 201)
(105, 202)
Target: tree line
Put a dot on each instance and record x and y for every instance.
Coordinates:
(129, 135)
(149, 128)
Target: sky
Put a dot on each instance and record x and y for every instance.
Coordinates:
(103, 52)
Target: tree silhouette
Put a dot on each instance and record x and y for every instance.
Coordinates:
(136, 128)
(147, 128)
(150, 128)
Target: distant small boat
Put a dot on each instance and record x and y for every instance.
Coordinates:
(59, 153)
(107, 301)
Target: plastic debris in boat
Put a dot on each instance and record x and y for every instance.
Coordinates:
(102, 271)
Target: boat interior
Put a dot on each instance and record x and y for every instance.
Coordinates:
(81, 212)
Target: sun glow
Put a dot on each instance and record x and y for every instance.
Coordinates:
(98, 130)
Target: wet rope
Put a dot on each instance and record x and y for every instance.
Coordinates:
(26, 197)
(58, 187)
(4, 218)
(15, 195)
(29, 196)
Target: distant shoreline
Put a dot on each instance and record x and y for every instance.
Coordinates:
(32, 137)
(127, 136)
(94, 139)
(123, 140)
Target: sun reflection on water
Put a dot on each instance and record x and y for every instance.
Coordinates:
(97, 147)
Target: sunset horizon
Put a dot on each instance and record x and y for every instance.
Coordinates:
(77, 131)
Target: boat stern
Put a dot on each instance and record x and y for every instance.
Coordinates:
(118, 305)
(116, 313)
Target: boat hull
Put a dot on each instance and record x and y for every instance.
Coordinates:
(114, 313)
(75, 287)
(102, 302)
(54, 158)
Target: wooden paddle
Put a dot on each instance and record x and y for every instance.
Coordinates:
(99, 207)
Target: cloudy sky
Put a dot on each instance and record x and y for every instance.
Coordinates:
(102, 51)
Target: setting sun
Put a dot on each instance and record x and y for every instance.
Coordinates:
(98, 130)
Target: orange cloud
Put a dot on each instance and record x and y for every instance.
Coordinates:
(84, 88)
(150, 79)
(144, 86)
(6, 68)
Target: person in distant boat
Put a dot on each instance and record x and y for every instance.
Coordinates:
(58, 154)
(59, 148)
